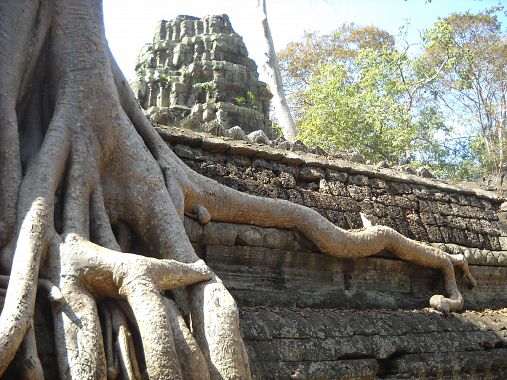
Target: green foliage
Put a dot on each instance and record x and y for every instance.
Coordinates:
(163, 79)
(445, 108)
(251, 100)
(207, 86)
(369, 110)
(301, 60)
(248, 101)
(455, 158)
(277, 129)
(240, 101)
(466, 57)
(250, 96)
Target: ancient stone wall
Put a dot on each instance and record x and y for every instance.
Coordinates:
(305, 315)
(423, 209)
(197, 73)
(308, 315)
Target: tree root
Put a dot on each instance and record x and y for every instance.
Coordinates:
(17, 68)
(119, 346)
(124, 344)
(187, 348)
(85, 267)
(34, 229)
(28, 360)
(228, 205)
(113, 366)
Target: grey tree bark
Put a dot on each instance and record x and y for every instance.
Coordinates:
(272, 70)
(92, 203)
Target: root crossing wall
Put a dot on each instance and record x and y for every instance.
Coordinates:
(307, 315)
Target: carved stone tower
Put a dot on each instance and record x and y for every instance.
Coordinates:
(197, 74)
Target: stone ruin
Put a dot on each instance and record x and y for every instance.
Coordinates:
(197, 74)
(306, 315)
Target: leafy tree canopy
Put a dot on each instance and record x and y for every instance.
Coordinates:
(467, 56)
(357, 89)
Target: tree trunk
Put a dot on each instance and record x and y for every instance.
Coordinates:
(271, 68)
(92, 203)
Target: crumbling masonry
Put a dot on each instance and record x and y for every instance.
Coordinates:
(197, 73)
(306, 315)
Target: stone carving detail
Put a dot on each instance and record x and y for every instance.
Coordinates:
(197, 74)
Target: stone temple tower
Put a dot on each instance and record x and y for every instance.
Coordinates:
(197, 74)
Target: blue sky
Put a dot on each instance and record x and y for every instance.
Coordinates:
(130, 23)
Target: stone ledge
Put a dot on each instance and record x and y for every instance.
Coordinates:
(259, 276)
(252, 150)
(476, 256)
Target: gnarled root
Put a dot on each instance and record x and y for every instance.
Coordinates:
(215, 321)
(195, 366)
(35, 225)
(28, 360)
(461, 262)
(83, 269)
(205, 199)
(119, 346)
(229, 205)
(113, 366)
(124, 344)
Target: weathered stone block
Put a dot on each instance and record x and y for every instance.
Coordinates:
(310, 174)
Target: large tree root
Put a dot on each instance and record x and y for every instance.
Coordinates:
(84, 179)
(91, 269)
